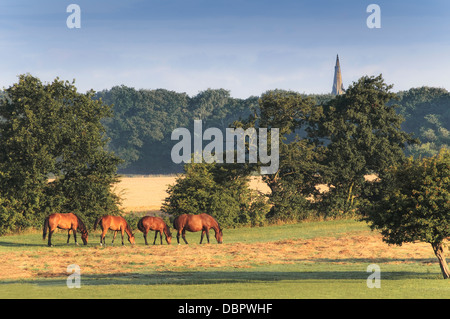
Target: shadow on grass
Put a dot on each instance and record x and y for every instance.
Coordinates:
(13, 244)
(219, 277)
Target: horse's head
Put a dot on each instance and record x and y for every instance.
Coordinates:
(168, 235)
(131, 240)
(219, 236)
(84, 237)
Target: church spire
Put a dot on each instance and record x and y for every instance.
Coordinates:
(338, 86)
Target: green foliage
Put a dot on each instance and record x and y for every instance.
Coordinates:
(299, 166)
(52, 130)
(143, 121)
(427, 115)
(414, 201)
(215, 189)
(363, 137)
(414, 204)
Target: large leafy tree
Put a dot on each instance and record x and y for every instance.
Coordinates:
(53, 131)
(363, 136)
(299, 157)
(414, 204)
(220, 190)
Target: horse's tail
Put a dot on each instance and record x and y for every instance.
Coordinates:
(174, 223)
(140, 225)
(98, 221)
(45, 228)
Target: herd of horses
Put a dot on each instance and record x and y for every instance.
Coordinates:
(182, 223)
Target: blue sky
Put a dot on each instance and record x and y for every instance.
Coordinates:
(247, 47)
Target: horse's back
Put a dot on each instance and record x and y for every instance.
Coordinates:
(195, 222)
(152, 222)
(63, 220)
(113, 222)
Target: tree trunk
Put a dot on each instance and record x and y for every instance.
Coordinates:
(440, 254)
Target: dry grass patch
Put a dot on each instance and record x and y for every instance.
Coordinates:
(53, 262)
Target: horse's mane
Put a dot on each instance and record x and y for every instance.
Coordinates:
(218, 225)
(128, 228)
(81, 225)
(166, 227)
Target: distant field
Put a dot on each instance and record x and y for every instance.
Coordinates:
(146, 193)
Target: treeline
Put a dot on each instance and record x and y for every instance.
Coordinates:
(140, 130)
(81, 142)
(427, 114)
(336, 142)
(143, 121)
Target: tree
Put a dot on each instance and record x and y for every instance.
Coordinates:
(299, 157)
(220, 190)
(53, 131)
(414, 204)
(363, 136)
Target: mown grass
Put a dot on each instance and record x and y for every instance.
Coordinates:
(286, 261)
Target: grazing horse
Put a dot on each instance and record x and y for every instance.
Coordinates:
(68, 221)
(158, 225)
(116, 223)
(194, 223)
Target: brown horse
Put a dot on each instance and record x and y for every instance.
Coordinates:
(158, 225)
(194, 223)
(115, 223)
(68, 221)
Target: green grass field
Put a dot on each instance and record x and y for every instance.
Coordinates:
(308, 260)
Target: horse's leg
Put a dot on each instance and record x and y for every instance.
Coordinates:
(114, 237)
(207, 234)
(50, 233)
(156, 235)
(68, 236)
(160, 235)
(122, 230)
(183, 234)
(75, 236)
(145, 237)
(102, 237)
(178, 236)
(201, 237)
